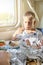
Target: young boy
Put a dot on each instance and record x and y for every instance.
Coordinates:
(30, 34)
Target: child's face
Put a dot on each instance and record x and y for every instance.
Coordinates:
(29, 21)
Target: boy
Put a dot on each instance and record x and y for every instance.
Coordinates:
(29, 37)
(30, 32)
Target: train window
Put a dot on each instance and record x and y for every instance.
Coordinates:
(7, 12)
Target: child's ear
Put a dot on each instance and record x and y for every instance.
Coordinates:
(34, 22)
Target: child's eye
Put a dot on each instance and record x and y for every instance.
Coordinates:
(25, 22)
(30, 19)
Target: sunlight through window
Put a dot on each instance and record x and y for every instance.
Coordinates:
(7, 12)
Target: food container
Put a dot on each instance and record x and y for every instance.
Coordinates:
(2, 43)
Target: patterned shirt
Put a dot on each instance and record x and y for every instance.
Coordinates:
(34, 38)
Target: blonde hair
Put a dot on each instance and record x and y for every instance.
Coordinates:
(29, 13)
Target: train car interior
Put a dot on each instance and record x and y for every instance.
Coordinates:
(21, 40)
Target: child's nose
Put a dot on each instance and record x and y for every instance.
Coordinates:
(29, 22)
